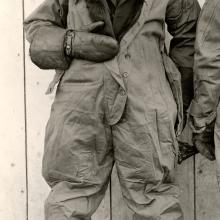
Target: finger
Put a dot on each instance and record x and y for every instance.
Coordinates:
(204, 150)
(212, 150)
(209, 155)
(93, 26)
(96, 25)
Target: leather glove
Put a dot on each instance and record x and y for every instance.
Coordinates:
(91, 46)
(204, 142)
(186, 146)
(186, 151)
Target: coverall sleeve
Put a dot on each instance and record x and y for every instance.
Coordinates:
(181, 19)
(207, 66)
(45, 30)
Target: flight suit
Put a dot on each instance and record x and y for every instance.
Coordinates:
(204, 108)
(127, 111)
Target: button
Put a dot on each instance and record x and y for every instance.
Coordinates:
(127, 56)
(123, 120)
(122, 92)
(125, 74)
(123, 42)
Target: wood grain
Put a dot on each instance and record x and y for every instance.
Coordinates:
(185, 180)
(38, 108)
(207, 191)
(12, 129)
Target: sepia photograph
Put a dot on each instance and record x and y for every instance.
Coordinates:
(110, 110)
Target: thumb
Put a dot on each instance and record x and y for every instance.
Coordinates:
(93, 26)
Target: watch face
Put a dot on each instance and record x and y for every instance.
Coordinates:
(68, 42)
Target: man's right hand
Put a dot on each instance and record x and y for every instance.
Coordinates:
(91, 46)
(204, 142)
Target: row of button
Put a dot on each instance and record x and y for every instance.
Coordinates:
(122, 92)
(125, 74)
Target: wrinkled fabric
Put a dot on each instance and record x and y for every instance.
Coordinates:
(81, 148)
(204, 109)
(54, 57)
(126, 111)
(207, 65)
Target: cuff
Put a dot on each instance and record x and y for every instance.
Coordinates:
(47, 48)
(200, 120)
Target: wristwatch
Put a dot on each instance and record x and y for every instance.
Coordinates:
(69, 37)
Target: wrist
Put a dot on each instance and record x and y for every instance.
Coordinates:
(68, 42)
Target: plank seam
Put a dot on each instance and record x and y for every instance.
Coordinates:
(110, 187)
(25, 115)
(194, 188)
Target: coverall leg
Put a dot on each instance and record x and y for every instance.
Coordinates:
(145, 148)
(81, 148)
(78, 156)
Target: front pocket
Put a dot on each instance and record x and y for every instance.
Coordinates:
(81, 97)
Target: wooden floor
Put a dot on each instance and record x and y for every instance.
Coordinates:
(23, 115)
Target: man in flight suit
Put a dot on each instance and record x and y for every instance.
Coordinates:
(204, 110)
(118, 101)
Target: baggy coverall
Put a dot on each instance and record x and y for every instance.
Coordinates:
(205, 107)
(126, 111)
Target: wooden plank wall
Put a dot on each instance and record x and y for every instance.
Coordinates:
(12, 130)
(23, 114)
